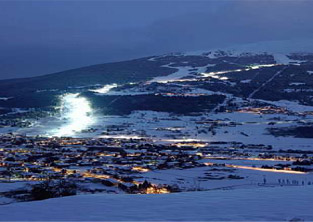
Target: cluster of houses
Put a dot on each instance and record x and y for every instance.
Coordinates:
(120, 165)
(110, 162)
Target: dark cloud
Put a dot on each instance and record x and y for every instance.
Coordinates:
(39, 37)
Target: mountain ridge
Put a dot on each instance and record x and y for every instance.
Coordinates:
(240, 73)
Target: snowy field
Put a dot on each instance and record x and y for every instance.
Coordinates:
(263, 204)
(247, 128)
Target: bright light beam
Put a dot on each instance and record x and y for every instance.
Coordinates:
(77, 112)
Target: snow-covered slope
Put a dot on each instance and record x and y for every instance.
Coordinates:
(279, 47)
(266, 204)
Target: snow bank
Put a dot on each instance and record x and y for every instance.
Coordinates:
(270, 204)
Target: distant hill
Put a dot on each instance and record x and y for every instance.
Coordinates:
(118, 72)
(258, 75)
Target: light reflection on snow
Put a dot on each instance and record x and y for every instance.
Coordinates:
(184, 71)
(105, 89)
(252, 67)
(122, 136)
(77, 113)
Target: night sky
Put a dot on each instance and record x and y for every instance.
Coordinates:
(41, 37)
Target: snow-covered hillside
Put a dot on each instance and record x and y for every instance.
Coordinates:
(270, 47)
(265, 204)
